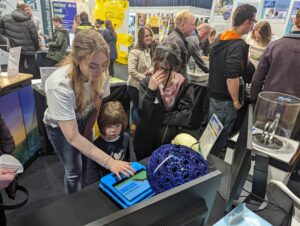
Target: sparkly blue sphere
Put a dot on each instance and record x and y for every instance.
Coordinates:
(171, 165)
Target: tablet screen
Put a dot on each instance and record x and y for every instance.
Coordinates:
(134, 186)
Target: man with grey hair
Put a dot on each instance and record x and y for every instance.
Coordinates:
(194, 45)
(184, 26)
(21, 31)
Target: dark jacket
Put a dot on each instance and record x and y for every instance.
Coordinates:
(58, 44)
(7, 143)
(205, 46)
(194, 51)
(157, 125)
(177, 37)
(278, 68)
(20, 31)
(228, 59)
(111, 41)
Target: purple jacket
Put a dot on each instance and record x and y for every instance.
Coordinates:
(279, 68)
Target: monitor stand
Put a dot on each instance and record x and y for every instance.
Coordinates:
(256, 200)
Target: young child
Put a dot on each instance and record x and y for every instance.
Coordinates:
(114, 141)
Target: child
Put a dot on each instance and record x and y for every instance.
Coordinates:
(112, 122)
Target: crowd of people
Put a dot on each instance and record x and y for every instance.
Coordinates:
(158, 86)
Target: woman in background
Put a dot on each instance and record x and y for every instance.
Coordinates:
(258, 40)
(110, 36)
(139, 66)
(166, 101)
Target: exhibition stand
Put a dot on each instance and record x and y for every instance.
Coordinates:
(19, 113)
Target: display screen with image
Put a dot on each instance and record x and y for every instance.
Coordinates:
(134, 186)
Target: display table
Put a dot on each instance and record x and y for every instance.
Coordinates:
(18, 111)
(91, 204)
(281, 164)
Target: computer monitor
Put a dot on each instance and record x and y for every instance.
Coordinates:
(188, 204)
(242, 160)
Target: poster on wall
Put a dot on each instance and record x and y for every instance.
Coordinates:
(7, 6)
(141, 20)
(275, 10)
(255, 3)
(67, 11)
(290, 22)
(222, 10)
(47, 17)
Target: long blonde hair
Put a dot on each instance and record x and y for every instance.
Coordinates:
(86, 43)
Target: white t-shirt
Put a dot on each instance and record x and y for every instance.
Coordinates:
(61, 97)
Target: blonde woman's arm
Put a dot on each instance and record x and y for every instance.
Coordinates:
(70, 131)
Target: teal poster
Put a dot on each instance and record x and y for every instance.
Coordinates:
(290, 23)
(275, 10)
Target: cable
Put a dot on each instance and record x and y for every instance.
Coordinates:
(287, 215)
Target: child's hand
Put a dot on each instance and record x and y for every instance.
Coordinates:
(117, 167)
(156, 79)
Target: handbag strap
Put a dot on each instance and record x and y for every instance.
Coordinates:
(18, 205)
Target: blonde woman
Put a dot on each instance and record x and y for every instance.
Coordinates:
(74, 94)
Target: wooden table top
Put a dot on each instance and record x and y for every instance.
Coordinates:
(8, 81)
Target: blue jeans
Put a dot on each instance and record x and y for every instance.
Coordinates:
(226, 113)
(70, 157)
(134, 96)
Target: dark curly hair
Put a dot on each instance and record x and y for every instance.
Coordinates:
(168, 53)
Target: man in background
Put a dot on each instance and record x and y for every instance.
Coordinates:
(21, 31)
(58, 44)
(194, 45)
(184, 26)
(227, 61)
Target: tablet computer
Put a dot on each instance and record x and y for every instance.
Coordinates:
(127, 191)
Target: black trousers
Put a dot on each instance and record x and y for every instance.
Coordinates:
(111, 68)
(2, 214)
(28, 65)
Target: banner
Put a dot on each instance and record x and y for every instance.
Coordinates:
(67, 11)
(275, 10)
(222, 10)
(47, 17)
(255, 3)
(290, 22)
(7, 6)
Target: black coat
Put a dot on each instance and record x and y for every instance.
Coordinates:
(7, 143)
(20, 31)
(157, 125)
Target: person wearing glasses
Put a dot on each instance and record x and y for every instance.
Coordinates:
(194, 45)
(227, 62)
(165, 101)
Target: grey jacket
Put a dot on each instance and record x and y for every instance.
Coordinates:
(177, 37)
(195, 52)
(278, 68)
(20, 31)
